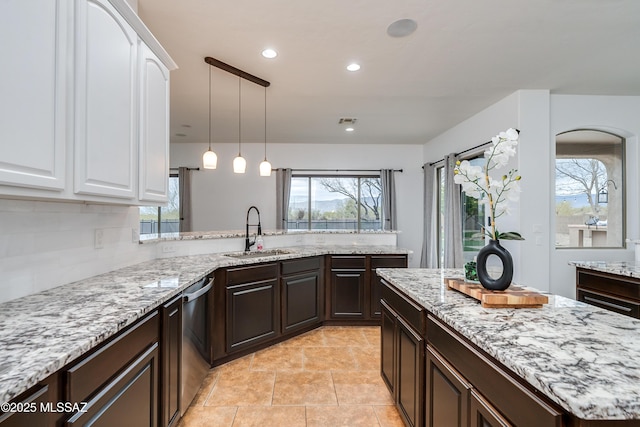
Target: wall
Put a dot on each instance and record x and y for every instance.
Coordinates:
(540, 116)
(221, 198)
(47, 244)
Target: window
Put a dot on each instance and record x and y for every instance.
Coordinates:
(335, 203)
(159, 220)
(473, 220)
(589, 190)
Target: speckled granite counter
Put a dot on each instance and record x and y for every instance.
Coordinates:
(584, 358)
(41, 333)
(621, 268)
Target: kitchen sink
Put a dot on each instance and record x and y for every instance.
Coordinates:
(257, 254)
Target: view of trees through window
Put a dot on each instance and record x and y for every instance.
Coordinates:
(589, 196)
(158, 220)
(335, 203)
(473, 220)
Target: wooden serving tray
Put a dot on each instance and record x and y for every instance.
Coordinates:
(512, 297)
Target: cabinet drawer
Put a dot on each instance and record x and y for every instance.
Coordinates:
(619, 305)
(300, 265)
(516, 402)
(252, 273)
(388, 261)
(608, 284)
(410, 311)
(351, 261)
(87, 376)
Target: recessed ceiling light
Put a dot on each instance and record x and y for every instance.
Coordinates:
(402, 27)
(269, 53)
(353, 67)
(349, 129)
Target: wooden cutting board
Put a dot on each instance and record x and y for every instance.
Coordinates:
(512, 297)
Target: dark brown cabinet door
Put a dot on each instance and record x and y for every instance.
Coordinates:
(171, 360)
(29, 410)
(388, 347)
(347, 294)
(252, 313)
(381, 261)
(129, 399)
(410, 374)
(483, 414)
(301, 301)
(447, 394)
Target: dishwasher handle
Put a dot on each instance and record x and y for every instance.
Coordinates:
(197, 294)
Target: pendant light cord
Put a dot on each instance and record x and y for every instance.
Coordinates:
(265, 123)
(239, 116)
(209, 108)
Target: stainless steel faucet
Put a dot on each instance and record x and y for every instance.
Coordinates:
(247, 243)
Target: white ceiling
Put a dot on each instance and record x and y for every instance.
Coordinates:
(464, 56)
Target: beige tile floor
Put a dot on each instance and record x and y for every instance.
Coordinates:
(327, 377)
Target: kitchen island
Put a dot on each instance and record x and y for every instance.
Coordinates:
(581, 359)
(42, 333)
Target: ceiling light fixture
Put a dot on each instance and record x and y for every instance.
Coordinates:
(402, 28)
(353, 67)
(349, 129)
(269, 53)
(209, 158)
(265, 166)
(239, 163)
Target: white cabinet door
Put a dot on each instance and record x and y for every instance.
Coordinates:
(154, 127)
(105, 157)
(32, 88)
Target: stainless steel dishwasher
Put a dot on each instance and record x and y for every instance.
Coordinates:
(195, 339)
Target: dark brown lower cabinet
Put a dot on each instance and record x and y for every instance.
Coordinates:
(130, 399)
(33, 399)
(252, 313)
(347, 287)
(620, 294)
(301, 301)
(402, 365)
(447, 394)
(381, 261)
(483, 414)
(171, 361)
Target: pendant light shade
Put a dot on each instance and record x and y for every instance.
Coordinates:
(239, 163)
(265, 166)
(209, 158)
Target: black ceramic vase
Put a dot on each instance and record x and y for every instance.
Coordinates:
(501, 283)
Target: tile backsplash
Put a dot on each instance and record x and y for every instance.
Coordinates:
(47, 244)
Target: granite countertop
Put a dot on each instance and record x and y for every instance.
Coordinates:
(41, 333)
(621, 268)
(584, 358)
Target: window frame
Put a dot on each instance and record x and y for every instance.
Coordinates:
(360, 176)
(159, 212)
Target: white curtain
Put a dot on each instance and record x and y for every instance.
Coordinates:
(453, 257)
(387, 177)
(184, 180)
(283, 191)
(429, 258)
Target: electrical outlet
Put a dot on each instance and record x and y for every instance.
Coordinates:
(167, 249)
(98, 241)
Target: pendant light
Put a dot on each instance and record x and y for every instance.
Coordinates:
(265, 166)
(239, 163)
(209, 158)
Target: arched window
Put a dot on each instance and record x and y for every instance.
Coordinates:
(589, 198)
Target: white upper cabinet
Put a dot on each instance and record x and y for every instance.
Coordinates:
(153, 127)
(84, 103)
(33, 91)
(105, 101)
